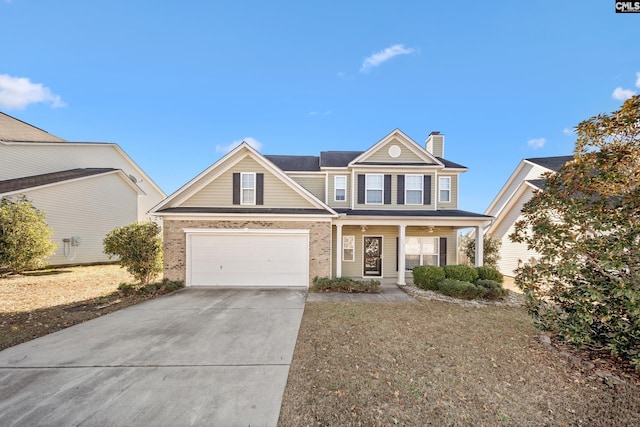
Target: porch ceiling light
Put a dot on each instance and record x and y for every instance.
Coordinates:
(363, 228)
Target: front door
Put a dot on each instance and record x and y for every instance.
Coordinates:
(373, 256)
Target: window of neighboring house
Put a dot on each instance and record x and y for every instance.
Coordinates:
(248, 188)
(348, 248)
(445, 188)
(340, 190)
(374, 185)
(413, 189)
(420, 251)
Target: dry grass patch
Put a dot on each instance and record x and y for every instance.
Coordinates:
(437, 363)
(40, 302)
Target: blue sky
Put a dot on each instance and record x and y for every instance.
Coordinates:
(176, 83)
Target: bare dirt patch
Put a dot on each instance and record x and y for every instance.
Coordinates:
(438, 363)
(41, 302)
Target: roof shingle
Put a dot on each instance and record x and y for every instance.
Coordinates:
(18, 184)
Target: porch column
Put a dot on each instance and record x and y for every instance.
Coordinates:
(401, 261)
(479, 246)
(338, 250)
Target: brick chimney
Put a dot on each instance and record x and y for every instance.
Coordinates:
(435, 144)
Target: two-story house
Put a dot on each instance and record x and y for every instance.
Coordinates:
(259, 220)
(86, 189)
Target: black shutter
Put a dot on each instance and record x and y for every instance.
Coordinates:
(259, 189)
(443, 251)
(361, 189)
(427, 190)
(236, 188)
(387, 189)
(401, 189)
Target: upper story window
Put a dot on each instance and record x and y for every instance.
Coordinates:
(445, 189)
(248, 188)
(340, 188)
(374, 186)
(413, 189)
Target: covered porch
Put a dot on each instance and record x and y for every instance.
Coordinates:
(387, 248)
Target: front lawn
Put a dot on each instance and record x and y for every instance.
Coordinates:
(41, 302)
(438, 363)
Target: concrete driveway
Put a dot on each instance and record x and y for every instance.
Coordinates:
(217, 357)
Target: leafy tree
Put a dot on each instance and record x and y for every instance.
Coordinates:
(139, 248)
(25, 237)
(585, 224)
(491, 250)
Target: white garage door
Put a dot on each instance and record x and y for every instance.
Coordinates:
(248, 258)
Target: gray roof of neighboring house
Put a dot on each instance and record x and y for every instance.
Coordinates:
(422, 213)
(296, 163)
(15, 130)
(538, 183)
(551, 163)
(27, 182)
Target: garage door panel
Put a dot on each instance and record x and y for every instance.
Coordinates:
(248, 259)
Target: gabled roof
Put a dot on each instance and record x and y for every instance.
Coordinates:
(551, 163)
(171, 203)
(403, 139)
(15, 130)
(296, 163)
(31, 182)
(537, 183)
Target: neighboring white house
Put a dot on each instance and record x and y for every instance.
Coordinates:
(86, 189)
(507, 208)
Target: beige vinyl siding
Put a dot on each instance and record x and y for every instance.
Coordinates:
(17, 161)
(331, 190)
(511, 253)
(389, 255)
(313, 184)
(92, 207)
(529, 171)
(394, 193)
(382, 154)
(453, 203)
(219, 192)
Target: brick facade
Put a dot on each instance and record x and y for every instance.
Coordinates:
(175, 242)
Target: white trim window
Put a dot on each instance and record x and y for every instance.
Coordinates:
(420, 251)
(348, 248)
(374, 189)
(413, 189)
(340, 188)
(444, 189)
(248, 188)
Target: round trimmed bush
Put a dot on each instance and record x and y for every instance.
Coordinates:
(460, 289)
(493, 289)
(489, 273)
(427, 276)
(463, 273)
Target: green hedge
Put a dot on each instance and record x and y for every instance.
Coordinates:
(488, 273)
(460, 289)
(463, 273)
(345, 284)
(493, 289)
(427, 276)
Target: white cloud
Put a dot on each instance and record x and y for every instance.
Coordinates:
(384, 55)
(221, 148)
(536, 143)
(568, 131)
(320, 113)
(622, 94)
(637, 79)
(18, 92)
